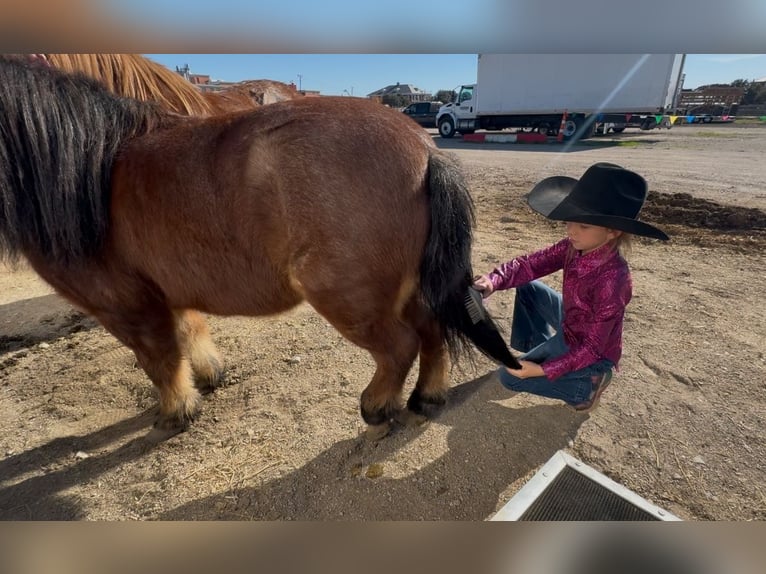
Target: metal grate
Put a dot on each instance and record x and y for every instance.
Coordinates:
(566, 489)
(573, 496)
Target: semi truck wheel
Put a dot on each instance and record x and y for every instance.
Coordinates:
(578, 127)
(570, 127)
(446, 127)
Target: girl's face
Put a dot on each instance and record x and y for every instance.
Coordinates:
(586, 238)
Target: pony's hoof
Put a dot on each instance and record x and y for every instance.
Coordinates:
(379, 415)
(169, 425)
(159, 434)
(375, 433)
(407, 418)
(424, 405)
(211, 378)
(206, 385)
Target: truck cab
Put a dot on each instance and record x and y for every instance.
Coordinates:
(458, 114)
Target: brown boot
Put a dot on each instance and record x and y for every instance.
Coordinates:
(598, 388)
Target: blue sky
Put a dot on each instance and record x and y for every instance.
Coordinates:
(360, 74)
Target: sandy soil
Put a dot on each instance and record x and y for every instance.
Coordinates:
(682, 424)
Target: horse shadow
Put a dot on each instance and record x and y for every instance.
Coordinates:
(464, 483)
(39, 498)
(29, 322)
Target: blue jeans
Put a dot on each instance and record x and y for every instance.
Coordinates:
(536, 331)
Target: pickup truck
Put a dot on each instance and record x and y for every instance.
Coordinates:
(423, 113)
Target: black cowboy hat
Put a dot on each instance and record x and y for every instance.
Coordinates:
(606, 195)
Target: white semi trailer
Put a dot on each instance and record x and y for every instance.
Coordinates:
(572, 93)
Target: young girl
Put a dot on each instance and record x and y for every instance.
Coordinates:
(571, 342)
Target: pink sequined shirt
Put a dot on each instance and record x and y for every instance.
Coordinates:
(596, 289)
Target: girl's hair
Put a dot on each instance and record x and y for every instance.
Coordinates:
(623, 243)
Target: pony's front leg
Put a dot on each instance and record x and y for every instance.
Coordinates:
(179, 399)
(206, 361)
(152, 334)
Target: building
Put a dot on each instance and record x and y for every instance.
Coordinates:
(205, 84)
(710, 97)
(203, 81)
(407, 91)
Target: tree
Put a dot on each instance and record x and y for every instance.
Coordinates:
(445, 96)
(755, 94)
(394, 100)
(760, 96)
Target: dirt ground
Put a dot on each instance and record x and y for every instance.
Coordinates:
(682, 425)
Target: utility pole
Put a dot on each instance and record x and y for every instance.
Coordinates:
(300, 78)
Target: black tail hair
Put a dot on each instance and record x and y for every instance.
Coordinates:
(445, 272)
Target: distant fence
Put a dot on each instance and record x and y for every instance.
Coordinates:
(752, 110)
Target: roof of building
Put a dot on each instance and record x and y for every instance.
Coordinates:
(397, 88)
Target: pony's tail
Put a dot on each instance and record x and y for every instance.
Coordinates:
(445, 272)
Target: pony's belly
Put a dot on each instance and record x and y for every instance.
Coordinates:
(247, 297)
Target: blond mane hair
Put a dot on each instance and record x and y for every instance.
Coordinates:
(134, 76)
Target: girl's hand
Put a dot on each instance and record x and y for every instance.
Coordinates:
(484, 285)
(528, 369)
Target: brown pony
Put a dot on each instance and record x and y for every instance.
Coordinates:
(138, 77)
(139, 216)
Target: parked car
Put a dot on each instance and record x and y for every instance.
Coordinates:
(423, 112)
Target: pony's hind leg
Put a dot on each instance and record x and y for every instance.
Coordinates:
(393, 345)
(206, 361)
(381, 399)
(430, 391)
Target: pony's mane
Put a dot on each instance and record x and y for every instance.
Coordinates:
(59, 135)
(134, 76)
